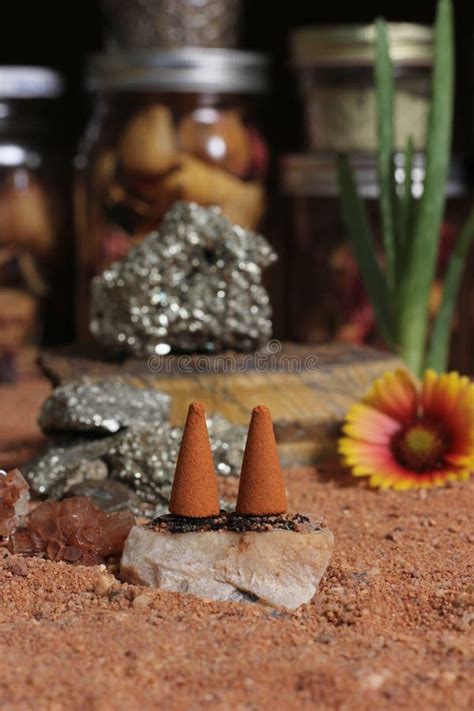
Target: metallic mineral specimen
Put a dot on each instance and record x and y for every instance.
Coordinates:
(14, 496)
(227, 444)
(104, 406)
(65, 461)
(145, 458)
(74, 530)
(109, 495)
(193, 286)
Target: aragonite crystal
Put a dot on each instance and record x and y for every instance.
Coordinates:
(74, 530)
(14, 496)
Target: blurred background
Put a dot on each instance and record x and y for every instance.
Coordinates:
(61, 35)
(292, 131)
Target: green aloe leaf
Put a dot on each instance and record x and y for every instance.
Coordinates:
(440, 336)
(384, 100)
(406, 206)
(359, 233)
(419, 271)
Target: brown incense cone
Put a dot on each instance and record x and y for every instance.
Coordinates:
(194, 492)
(261, 488)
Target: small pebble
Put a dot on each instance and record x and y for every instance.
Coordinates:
(18, 566)
(103, 585)
(142, 601)
(373, 681)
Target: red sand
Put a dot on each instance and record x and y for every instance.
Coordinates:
(391, 628)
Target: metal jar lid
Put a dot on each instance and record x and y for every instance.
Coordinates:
(354, 45)
(29, 83)
(314, 175)
(180, 70)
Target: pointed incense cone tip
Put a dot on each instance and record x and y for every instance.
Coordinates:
(194, 493)
(262, 410)
(197, 407)
(261, 488)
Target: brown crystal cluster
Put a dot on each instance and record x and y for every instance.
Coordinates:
(14, 498)
(74, 530)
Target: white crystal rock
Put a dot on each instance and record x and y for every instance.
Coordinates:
(279, 568)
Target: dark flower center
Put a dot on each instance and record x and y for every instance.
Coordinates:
(421, 446)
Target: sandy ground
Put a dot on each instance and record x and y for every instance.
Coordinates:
(390, 629)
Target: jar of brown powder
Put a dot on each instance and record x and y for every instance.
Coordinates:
(335, 71)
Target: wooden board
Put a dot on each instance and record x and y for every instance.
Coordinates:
(308, 389)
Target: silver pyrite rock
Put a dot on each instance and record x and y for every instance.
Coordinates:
(193, 286)
(102, 407)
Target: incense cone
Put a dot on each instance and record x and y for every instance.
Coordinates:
(261, 488)
(194, 492)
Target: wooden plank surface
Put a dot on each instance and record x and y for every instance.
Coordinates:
(308, 389)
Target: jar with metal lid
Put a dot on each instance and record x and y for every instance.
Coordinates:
(33, 252)
(335, 69)
(324, 295)
(166, 126)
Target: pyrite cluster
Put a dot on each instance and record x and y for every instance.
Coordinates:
(193, 286)
(103, 436)
(103, 407)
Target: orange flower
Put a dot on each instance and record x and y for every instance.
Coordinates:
(406, 435)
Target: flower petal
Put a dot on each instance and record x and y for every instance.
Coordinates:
(446, 402)
(366, 423)
(403, 479)
(395, 395)
(367, 458)
(442, 394)
(449, 399)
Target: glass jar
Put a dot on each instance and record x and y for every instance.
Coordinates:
(324, 295)
(33, 251)
(148, 24)
(166, 126)
(335, 68)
